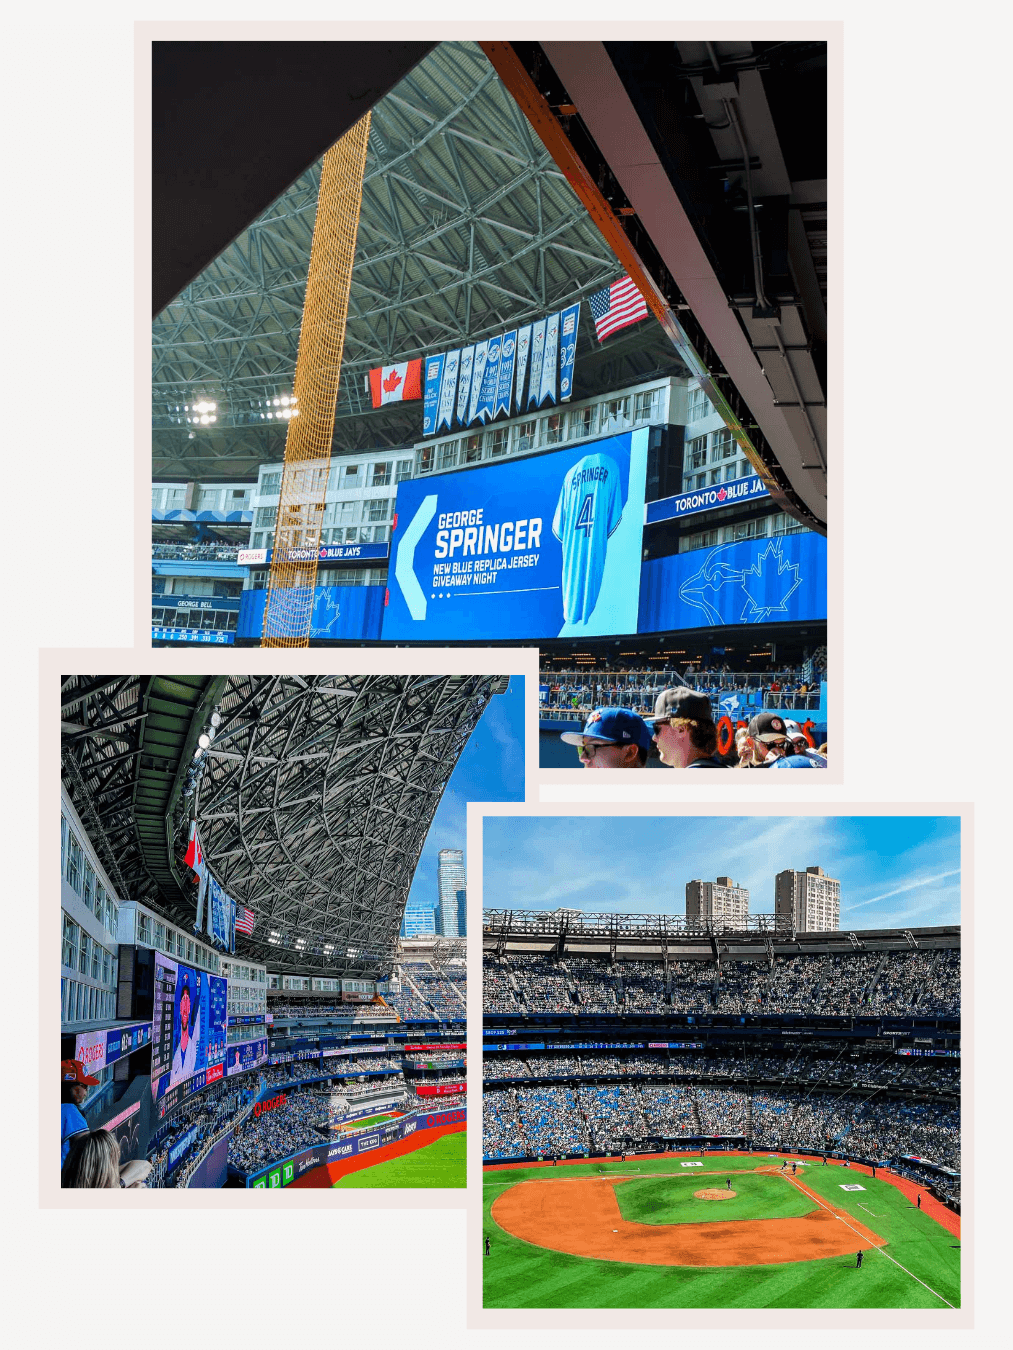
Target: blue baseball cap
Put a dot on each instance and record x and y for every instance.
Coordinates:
(612, 726)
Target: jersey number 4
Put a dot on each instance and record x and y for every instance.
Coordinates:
(585, 521)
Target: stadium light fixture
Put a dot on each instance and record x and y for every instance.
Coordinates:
(204, 740)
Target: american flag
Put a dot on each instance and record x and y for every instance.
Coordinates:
(617, 306)
(244, 921)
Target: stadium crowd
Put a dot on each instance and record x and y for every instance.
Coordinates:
(300, 1123)
(824, 1062)
(209, 1113)
(837, 984)
(557, 1120)
(210, 552)
(574, 692)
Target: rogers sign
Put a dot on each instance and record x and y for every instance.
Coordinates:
(270, 1105)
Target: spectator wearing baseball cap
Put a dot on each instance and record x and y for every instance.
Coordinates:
(613, 738)
(684, 730)
(773, 746)
(74, 1085)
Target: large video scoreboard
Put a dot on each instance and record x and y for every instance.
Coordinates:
(188, 1031)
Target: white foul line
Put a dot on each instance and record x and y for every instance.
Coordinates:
(879, 1249)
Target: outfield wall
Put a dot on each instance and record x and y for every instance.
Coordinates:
(334, 1160)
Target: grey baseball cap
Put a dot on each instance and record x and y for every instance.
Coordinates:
(681, 701)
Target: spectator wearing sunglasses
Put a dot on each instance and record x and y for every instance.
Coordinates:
(773, 747)
(684, 730)
(613, 738)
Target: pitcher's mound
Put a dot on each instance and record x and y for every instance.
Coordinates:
(712, 1193)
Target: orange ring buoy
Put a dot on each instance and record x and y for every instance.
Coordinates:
(726, 735)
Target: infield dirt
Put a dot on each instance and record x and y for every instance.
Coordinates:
(581, 1216)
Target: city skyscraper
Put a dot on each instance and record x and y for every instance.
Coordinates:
(419, 921)
(450, 878)
(719, 900)
(810, 901)
(462, 912)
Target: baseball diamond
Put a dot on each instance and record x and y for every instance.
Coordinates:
(636, 1233)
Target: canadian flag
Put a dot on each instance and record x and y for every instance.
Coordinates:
(393, 384)
(194, 854)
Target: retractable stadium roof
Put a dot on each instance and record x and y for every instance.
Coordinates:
(700, 168)
(313, 802)
(467, 226)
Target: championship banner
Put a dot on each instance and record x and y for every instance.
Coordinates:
(201, 894)
(537, 359)
(523, 348)
(464, 383)
(448, 390)
(477, 380)
(504, 387)
(431, 396)
(547, 392)
(490, 379)
(218, 912)
(567, 350)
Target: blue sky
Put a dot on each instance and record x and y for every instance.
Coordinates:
(894, 870)
(491, 769)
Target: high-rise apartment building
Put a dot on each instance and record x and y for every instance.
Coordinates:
(462, 912)
(450, 878)
(720, 901)
(810, 901)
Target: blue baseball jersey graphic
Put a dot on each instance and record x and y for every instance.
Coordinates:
(589, 509)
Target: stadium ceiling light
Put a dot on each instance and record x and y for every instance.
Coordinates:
(204, 741)
(216, 719)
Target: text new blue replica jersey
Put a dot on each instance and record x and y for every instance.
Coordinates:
(589, 509)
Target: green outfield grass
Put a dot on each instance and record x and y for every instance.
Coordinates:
(670, 1199)
(519, 1275)
(372, 1120)
(440, 1164)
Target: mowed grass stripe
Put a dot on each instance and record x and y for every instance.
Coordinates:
(440, 1164)
(520, 1275)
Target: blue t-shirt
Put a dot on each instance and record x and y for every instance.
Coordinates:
(810, 761)
(71, 1122)
(589, 509)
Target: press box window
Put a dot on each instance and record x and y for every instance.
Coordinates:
(498, 442)
(447, 456)
(472, 449)
(269, 484)
(381, 474)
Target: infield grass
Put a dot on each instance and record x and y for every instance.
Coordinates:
(520, 1275)
(670, 1199)
(438, 1165)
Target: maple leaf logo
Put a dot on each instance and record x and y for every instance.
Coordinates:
(722, 495)
(391, 382)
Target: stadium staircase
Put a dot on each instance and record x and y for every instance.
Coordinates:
(928, 981)
(697, 1122)
(875, 978)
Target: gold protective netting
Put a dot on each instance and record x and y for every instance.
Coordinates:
(289, 607)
